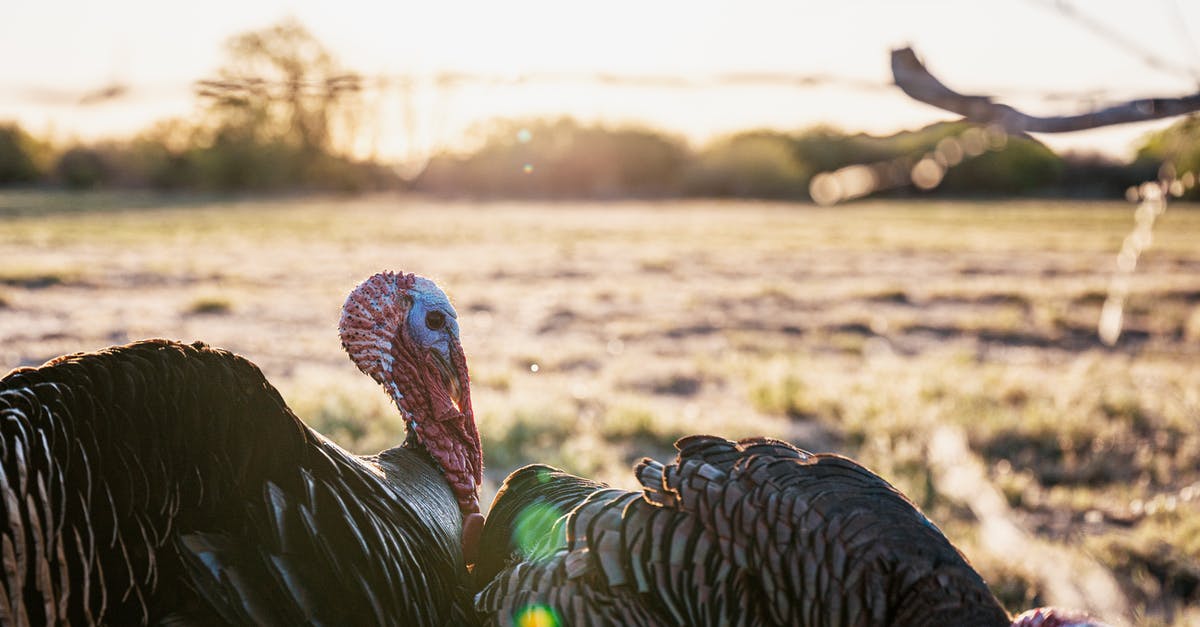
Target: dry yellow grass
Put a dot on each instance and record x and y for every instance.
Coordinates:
(598, 333)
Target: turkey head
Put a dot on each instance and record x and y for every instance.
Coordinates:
(402, 331)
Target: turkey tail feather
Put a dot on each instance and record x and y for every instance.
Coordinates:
(755, 532)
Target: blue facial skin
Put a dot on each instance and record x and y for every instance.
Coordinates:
(428, 297)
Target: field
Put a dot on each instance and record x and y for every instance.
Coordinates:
(949, 346)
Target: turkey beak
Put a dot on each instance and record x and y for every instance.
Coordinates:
(454, 380)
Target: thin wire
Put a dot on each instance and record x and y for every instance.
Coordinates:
(1117, 39)
(384, 82)
(1181, 29)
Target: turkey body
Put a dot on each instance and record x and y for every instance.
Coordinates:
(755, 532)
(167, 483)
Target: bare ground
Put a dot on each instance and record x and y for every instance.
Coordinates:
(598, 333)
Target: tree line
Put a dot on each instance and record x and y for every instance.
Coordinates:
(271, 118)
(566, 159)
(563, 158)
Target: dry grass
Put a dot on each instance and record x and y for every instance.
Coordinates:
(859, 329)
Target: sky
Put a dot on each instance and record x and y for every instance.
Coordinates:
(57, 50)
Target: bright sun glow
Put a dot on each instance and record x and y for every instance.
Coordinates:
(467, 62)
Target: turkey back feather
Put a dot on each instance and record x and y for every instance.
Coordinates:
(163, 482)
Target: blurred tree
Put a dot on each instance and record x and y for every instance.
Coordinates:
(273, 112)
(1093, 175)
(823, 148)
(1017, 165)
(757, 164)
(1178, 145)
(83, 168)
(1021, 167)
(561, 158)
(21, 156)
(280, 84)
(161, 157)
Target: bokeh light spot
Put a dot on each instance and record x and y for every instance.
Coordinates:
(996, 136)
(950, 151)
(528, 168)
(927, 173)
(532, 525)
(524, 136)
(824, 189)
(536, 616)
(973, 142)
(856, 181)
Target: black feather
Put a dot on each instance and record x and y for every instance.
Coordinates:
(755, 532)
(163, 482)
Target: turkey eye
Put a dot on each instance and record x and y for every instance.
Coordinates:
(435, 320)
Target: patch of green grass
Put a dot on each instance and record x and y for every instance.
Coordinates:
(358, 417)
(209, 305)
(1099, 435)
(849, 343)
(786, 392)
(896, 296)
(527, 436)
(37, 278)
(1090, 298)
(1016, 588)
(657, 265)
(500, 381)
(678, 384)
(1159, 559)
(640, 428)
(1114, 432)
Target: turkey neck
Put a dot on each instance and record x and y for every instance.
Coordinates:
(413, 472)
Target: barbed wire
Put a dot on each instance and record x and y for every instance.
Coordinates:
(1131, 46)
(122, 90)
(1185, 36)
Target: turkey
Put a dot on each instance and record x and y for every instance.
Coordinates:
(160, 482)
(755, 532)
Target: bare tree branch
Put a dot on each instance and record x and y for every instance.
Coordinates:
(916, 81)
